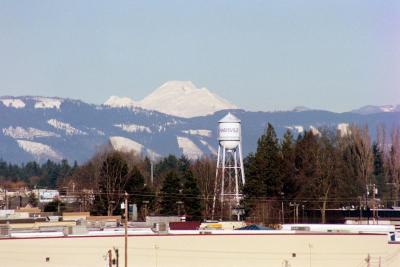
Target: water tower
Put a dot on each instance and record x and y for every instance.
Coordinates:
(230, 172)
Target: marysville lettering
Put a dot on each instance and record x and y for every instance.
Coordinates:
(229, 130)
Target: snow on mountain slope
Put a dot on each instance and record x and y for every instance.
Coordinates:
(124, 144)
(200, 132)
(77, 130)
(121, 102)
(133, 128)
(47, 102)
(344, 129)
(184, 99)
(376, 109)
(68, 128)
(315, 130)
(13, 102)
(190, 149)
(28, 133)
(296, 128)
(301, 109)
(38, 150)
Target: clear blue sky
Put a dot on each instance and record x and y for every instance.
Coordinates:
(260, 55)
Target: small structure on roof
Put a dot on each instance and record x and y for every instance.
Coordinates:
(254, 227)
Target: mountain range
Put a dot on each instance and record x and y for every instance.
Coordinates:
(177, 118)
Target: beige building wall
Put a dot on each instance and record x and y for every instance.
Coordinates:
(267, 250)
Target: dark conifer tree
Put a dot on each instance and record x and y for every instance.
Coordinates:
(289, 184)
(252, 189)
(137, 189)
(170, 194)
(306, 161)
(191, 196)
(263, 177)
(268, 160)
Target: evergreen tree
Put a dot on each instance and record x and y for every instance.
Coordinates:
(306, 164)
(183, 166)
(167, 164)
(137, 189)
(252, 189)
(191, 196)
(268, 160)
(290, 186)
(170, 194)
(263, 177)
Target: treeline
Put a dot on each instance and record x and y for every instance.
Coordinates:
(322, 169)
(316, 170)
(177, 186)
(33, 174)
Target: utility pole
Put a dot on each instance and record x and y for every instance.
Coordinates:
(116, 256)
(6, 198)
(126, 229)
(295, 212)
(374, 210)
(359, 221)
(368, 260)
(109, 258)
(374, 206)
(283, 214)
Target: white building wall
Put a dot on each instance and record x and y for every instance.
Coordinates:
(204, 250)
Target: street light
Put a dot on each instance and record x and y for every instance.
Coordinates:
(179, 203)
(282, 211)
(145, 203)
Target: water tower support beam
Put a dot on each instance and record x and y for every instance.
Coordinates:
(216, 184)
(241, 163)
(223, 183)
(236, 178)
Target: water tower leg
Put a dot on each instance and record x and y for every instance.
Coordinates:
(236, 178)
(236, 185)
(223, 182)
(241, 163)
(216, 183)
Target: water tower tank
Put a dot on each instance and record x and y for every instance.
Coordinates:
(229, 128)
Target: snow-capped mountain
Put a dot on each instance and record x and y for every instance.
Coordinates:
(301, 109)
(121, 102)
(177, 98)
(41, 128)
(376, 109)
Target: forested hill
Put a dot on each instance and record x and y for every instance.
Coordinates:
(41, 128)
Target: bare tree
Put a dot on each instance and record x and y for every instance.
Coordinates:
(363, 156)
(113, 178)
(204, 172)
(393, 163)
(328, 167)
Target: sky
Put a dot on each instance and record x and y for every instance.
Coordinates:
(260, 55)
